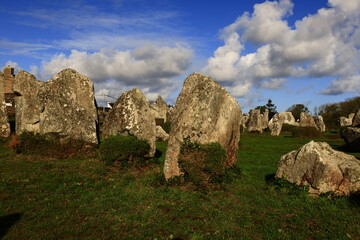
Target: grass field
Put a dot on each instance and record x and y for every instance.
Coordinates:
(44, 198)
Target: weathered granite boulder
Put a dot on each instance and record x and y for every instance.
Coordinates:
(243, 122)
(205, 112)
(4, 122)
(131, 115)
(275, 125)
(316, 164)
(64, 105)
(159, 109)
(161, 134)
(346, 121)
(351, 136)
(27, 103)
(319, 121)
(306, 120)
(68, 106)
(257, 121)
(356, 119)
(287, 118)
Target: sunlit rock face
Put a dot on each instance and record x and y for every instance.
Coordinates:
(257, 121)
(275, 124)
(346, 121)
(320, 167)
(319, 121)
(131, 115)
(160, 109)
(64, 105)
(204, 112)
(306, 120)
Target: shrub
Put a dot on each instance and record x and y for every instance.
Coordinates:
(202, 164)
(287, 128)
(306, 132)
(123, 148)
(51, 145)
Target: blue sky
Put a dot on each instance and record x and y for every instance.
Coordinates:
(299, 51)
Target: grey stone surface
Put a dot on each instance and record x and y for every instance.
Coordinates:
(4, 124)
(320, 167)
(275, 125)
(27, 103)
(65, 105)
(205, 112)
(161, 134)
(257, 121)
(131, 115)
(351, 136)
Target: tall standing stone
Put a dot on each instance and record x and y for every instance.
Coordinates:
(4, 124)
(68, 106)
(131, 115)
(319, 121)
(65, 105)
(257, 121)
(27, 104)
(205, 112)
(275, 125)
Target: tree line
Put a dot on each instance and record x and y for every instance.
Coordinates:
(331, 112)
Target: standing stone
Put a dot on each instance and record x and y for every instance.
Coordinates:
(351, 136)
(4, 124)
(257, 121)
(306, 120)
(205, 112)
(27, 103)
(346, 121)
(287, 118)
(160, 109)
(316, 164)
(319, 121)
(275, 125)
(68, 106)
(131, 115)
(356, 119)
(244, 122)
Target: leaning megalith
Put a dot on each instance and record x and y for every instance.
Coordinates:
(204, 112)
(131, 115)
(27, 104)
(306, 120)
(64, 105)
(4, 122)
(320, 167)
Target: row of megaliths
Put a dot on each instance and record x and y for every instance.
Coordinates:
(7, 100)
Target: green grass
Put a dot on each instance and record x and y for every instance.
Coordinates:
(85, 199)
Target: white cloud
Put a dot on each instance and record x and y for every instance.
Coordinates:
(113, 71)
(324, 44)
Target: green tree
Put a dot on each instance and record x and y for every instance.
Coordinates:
(296, 109)
(269, 106)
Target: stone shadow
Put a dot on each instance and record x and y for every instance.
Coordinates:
(7, 221)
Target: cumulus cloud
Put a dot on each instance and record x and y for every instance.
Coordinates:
(324, 44)
(113, 71)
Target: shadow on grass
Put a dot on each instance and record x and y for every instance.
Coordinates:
(354, 200)
(7, 221)
(270, 179)
(158, 153)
